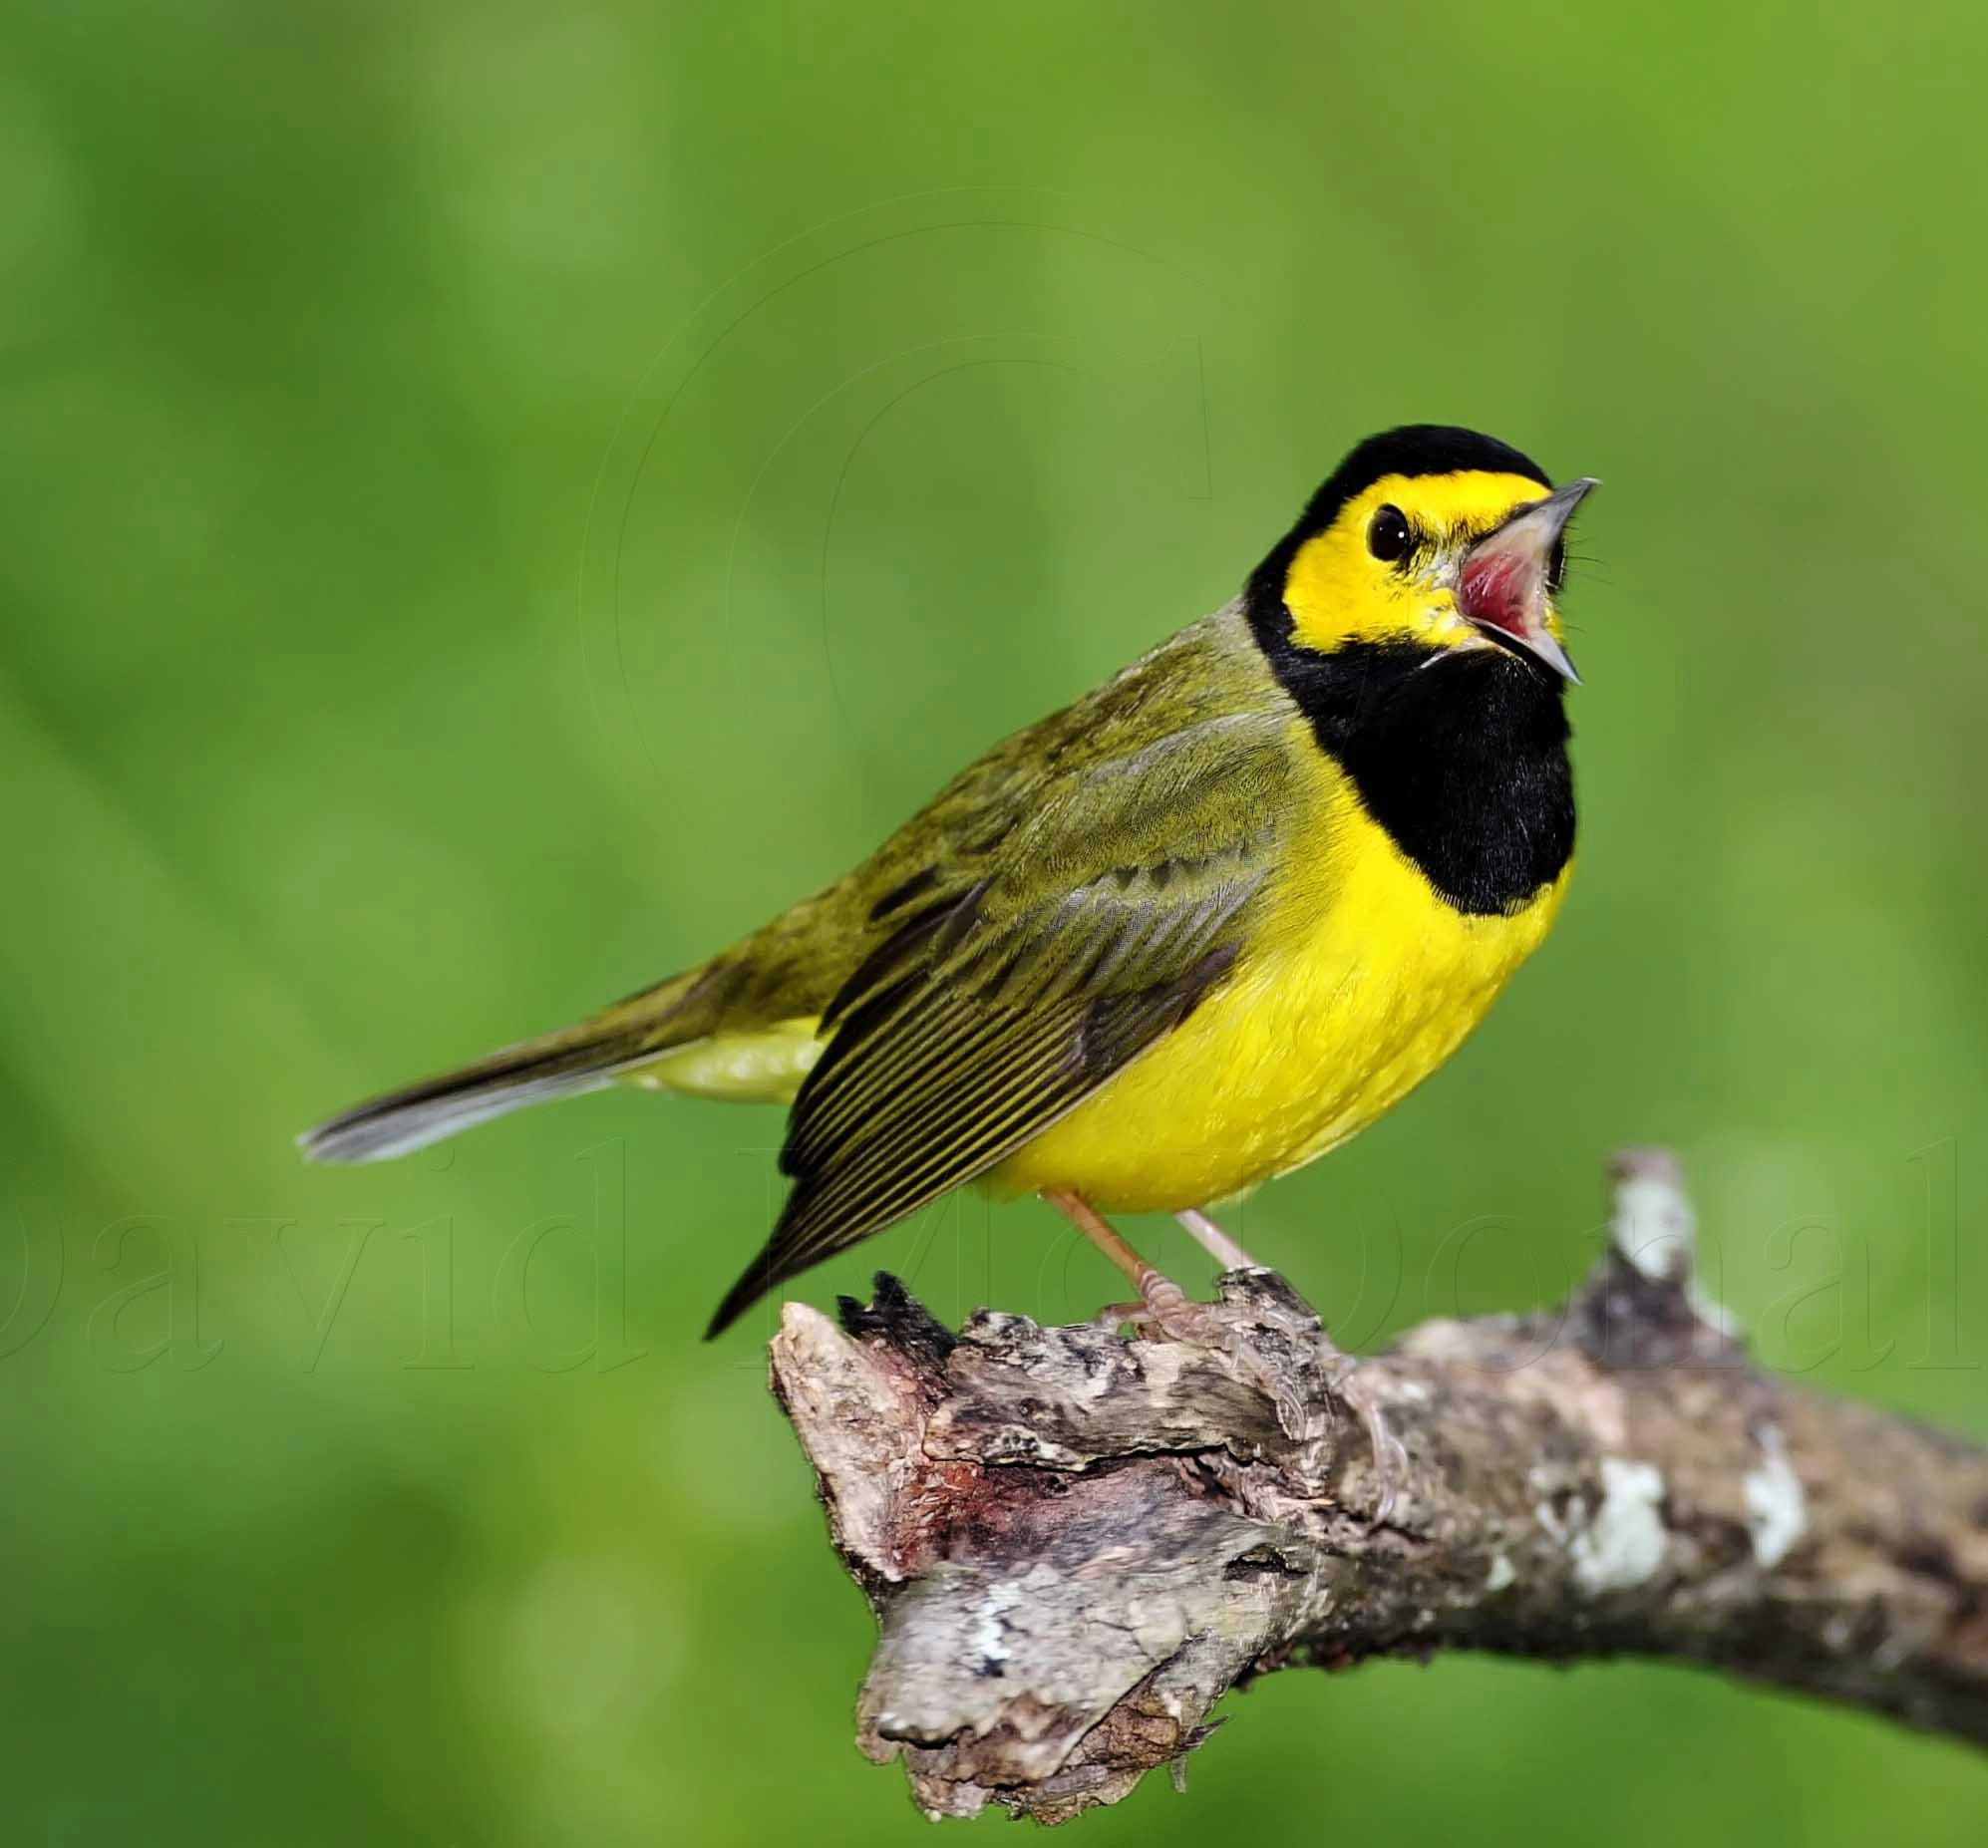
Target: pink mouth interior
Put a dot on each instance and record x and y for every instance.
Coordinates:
(1500, 590)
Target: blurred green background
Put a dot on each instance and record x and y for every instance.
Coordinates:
(502, 499)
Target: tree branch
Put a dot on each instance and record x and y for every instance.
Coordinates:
(1076, 1543)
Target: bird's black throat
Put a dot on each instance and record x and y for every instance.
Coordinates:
(1463, 760)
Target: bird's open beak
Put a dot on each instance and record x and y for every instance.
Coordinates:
(1503, 585)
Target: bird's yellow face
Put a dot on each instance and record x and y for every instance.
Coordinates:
(1462, 560)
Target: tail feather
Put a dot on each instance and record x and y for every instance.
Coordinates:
(404, 1120)
(559, 1065)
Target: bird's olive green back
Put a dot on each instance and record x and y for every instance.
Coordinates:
(1037, 815)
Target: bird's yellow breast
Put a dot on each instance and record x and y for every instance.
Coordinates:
(1359, 982)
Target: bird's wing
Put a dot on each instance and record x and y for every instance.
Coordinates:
(989, 1012)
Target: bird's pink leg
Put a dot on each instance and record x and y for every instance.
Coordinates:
(1216, 1242)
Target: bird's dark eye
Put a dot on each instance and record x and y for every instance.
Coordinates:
(1388, 536)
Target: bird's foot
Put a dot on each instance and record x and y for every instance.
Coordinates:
(1167, 1310)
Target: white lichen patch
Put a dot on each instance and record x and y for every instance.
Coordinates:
(1501, 1575)
(1622, 1544)
(988, 1637)
(1653, 1225)
(1777, 1509)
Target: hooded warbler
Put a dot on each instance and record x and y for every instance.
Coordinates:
(1193, 930)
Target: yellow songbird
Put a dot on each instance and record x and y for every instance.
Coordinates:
(1187, 933)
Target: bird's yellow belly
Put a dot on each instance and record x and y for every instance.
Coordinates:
(1354, 994)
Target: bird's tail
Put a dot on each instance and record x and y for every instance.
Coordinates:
(577, 1059)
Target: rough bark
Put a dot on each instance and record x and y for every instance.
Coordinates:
(1076, 1543)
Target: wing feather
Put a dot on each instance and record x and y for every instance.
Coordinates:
(991, 1011)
